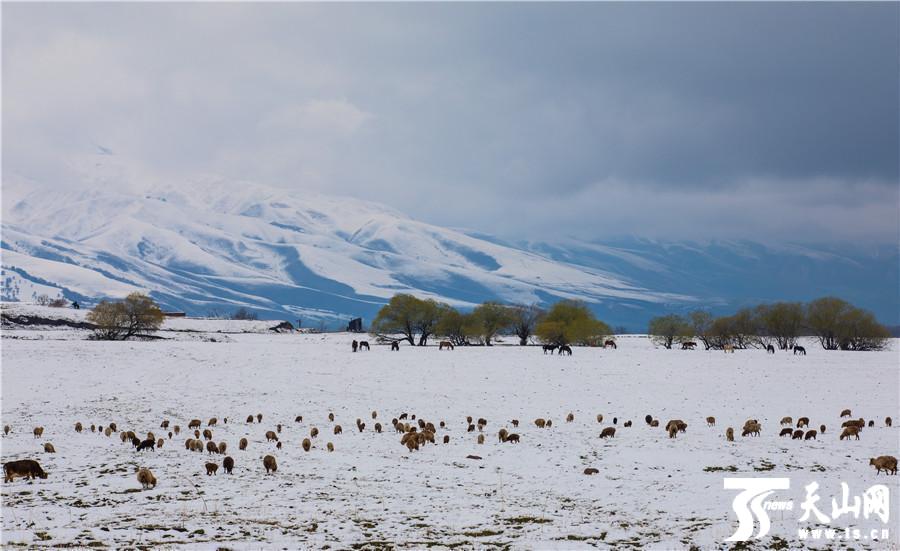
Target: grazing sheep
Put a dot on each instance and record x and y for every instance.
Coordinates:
(38, 431)
(222, 447)
(802, 422)
(729, 434)
(647, 419)
(404, 415)
(197, 446)
(242, 445)
(330, 447)
(249, 418)
(6, 429)
(590, 471)
(259, 417)
(374, 414)
(810, 435)
(751, 429)
(146, 478)
(786, 432)
(570, 417)
(626, 424)
(430, 427)
(331, 417)
(170, 435)
(850, 431)
(177, 429)
(148, 444)
(93, 428)
(189, 443)
(443, 424)
(654, 423)
(599, 417)
(306, 444)
(151, 436)
(673, 423)
(271, 436)
(858, 423)
(471, 428)
(787, 421)
(446, 439)
(672, 430)
(313, 432)
(48, 448)
(886, 463)
(123, 436)
(515, 423)
(710, 421)
(338, 429)
(846, 413)
(481, 439)
(207, 434)
(298, 419)
(159, 443)
(278, 445)
(540, 423)
(107, 432)
(887, 422)
(549, 423)
(822, 429)
(378, 428)
(615, 420)
(608, 432)
(269, 464)
(194, 424)
(211, 468)
(130, 435)
(228, 465)
(278, 428)
(212, 422)
(482, 422)
(512, 438)
(871, 423)
(77, 427)
(196, 433)
(502, 434)
(412, 444)
(211, 447)
(361, 427)
(164, 424)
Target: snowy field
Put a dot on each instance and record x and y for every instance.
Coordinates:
(651, 491)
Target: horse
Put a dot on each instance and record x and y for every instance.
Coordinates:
(364, 344)
(550, 348)
(728, 348)
(355, 345)
(395, 346)
(447, 344)
(799, 350)
(770, 349)
(565, 349)
(689, 345)
(608, 344)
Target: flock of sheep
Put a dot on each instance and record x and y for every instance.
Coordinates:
(415, 434)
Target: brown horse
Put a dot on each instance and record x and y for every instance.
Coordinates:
(445, 344)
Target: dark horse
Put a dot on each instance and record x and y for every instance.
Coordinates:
(799, 350)
(608, 344)
(364, 344)
(549, 348)
(355, 345)
(770, 349)
(565, 349)
(689, 345)
(395, 345)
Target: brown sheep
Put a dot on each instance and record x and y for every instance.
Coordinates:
(298, 419)
(502, 435)
(469, 419)
(271, 436)
(331, 417)
(259, 417)
(802, 422)
(540, 423)
(177, 429)
(164, 424)
(405, 438)
(48, 448)
(846, 413)
(249, 418)
(471, 428)
(38, 431)
(787, 421)
(361, 427)
(130, 435)
(549, 423)
(888, 421)
(810, 435)
(306, 444)
(608, 432)
(515, 423)
(590, 471)
(512, 438)
(378, 428)
(188, 444)
(113, 427)
(858, 423)
(146, 478)
(481, 439)
(269, 464)
(421, 423)
(329, 446)
(673, 423)
(886, 463)
(278, 428)
(196, 433)
(222, 447)
(197, 446)
(412, 444)
(107, 432)
(570, 417)
(123, 436)
(211, 447)
(278, 445)
(729, 434)
(313, 432)
(242, 445)
(211, 468)
(821, 429)
(399, 427)
(151, 436)
(672, 430)
(710, 421)
(78, 427)
(170, 435)
(654, 423)
(374, 414)
(6, 429)
(786, 432)
(627, 424)
(212, 422)
(159, 443)
(850, 431)
(338, 429)
(207, 434)
(446, 439)
(228, 465)
(93, 428)
(194, 424)
(482, 422)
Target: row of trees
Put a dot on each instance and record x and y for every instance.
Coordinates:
(836, 323)
(416, 320)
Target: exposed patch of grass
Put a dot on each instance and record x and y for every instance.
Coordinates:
(526, 520)
(765, 466)
(728, 469)
(482, 533)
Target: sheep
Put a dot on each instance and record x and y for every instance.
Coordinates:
(821, 429)
(421, 423)
(673, 423)
(540, 423)
(197, 446)
(48, 448)
(78, 427)
(570, 417)
(113, 427)
(107, 432)
(672, 430)
(627, 424)
(306, 444)
(313, 432)
(446, 439)
(222, 447)
(810, 435)
(148, 444)
(207, 434)
(513, 438)
(329, 446)
(846, 413)
(331, 417)
(787, 421)
(269, 464)
(751, 429)
(164, 424)
(615, 420)
(338, 429)
(871, 423)
(599, 417)
(549, 423)
(130, 435)
(786, 432)
(608, 432)
(170, 435)
(469, 419)
(858, 423)
(27, 468)
(850, 431)
(278, 428)
(654, 423)
(515, 423)
(412, 444)
(361, 427)
(159, 443)
(259, 417)
(590, 471)
(374, 414)
(271, 436)
(93, 428)
(729, 434)
(228, 464)
(212, 422)
(6, 429)
(471, 428)
(887, 422)
(502, 435)
(399, 427)
(196, 433)
(802, 422)
(188, 444)
(146, 478)
(298, 419)
(278, 445)
(378, 428)
(249, 418)
(211, 468)
(482, 422)
(151, 436)
(211, 447)
(242, 444)
(194, 424)
(710, 421)
(38, 431)
(647, 418)
(177, 429)
(886, 463)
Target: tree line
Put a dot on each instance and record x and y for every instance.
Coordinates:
(414, 320)
(837, 324)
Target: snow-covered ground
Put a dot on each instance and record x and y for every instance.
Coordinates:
(651, 491)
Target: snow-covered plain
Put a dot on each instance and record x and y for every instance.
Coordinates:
(650, 491)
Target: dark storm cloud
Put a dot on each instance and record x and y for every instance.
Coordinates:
(776, 121)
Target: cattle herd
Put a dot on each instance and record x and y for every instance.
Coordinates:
(415, 434)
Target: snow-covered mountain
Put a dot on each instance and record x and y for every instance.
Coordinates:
(213, 246)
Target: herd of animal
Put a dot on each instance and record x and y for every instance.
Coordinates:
(565, 350)
(415, 433)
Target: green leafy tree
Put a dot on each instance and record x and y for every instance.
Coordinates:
(456, 327)
(824, 316)
(137, 315)
(571, 322)
(490, 319)
(412, 318)
(665, 330)
(782, 322)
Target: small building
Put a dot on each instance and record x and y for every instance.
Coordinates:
(355, 325)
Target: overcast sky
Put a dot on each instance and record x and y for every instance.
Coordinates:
(698, 121)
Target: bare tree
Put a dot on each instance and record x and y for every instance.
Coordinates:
(524, 319)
